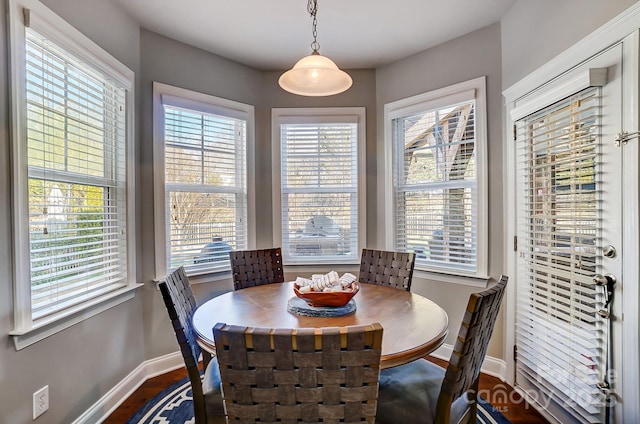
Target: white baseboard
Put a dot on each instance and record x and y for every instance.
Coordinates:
(114, 397)
(492, 366)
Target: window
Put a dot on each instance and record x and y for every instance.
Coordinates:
(319, 195)
(72, 140)
(438, 183)
(201, 156)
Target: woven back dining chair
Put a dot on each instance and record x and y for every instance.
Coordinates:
(180, 303)
(424, 392)
(304, 375)
(393, 269)
(256, 267)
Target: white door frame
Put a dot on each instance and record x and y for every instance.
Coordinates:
(622, 28)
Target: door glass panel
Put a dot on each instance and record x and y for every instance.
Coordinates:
(561, 338)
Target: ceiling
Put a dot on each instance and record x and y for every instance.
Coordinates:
(274, 34)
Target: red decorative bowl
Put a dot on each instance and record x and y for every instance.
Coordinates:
(315, 298)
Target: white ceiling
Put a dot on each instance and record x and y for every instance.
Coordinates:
(274, 34)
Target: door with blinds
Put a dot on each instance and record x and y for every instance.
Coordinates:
(569, 258)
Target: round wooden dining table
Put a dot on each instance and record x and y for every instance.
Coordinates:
(413, 325)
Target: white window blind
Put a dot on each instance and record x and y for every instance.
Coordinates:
(205, 188)
(435, 186)
(561, 338)
(76, 158)
(319, 191)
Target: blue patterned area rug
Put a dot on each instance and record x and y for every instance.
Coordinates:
(174, 405)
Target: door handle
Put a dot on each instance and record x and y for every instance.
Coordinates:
(609, 251)
(604, 280)
(608, 282)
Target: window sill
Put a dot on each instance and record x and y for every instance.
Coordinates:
(309, 269)
(55, 323)
(465, 280)
(320, 262)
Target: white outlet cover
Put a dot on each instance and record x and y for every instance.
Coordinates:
(40, 402)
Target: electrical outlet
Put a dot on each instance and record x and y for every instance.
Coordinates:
(40, 402)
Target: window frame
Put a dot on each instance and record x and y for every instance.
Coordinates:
(209, 104)
(31, 13)
(281, 116)
(440, 98)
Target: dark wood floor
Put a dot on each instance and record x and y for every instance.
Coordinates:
(504, 399)
(499, 394)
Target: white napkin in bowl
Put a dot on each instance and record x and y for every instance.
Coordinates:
(329, 282)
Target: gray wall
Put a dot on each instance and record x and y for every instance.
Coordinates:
(467, 57)
(533, 32)
(170, 62)
(82, 363)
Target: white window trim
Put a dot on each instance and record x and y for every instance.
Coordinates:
(623, 27)
(302, 115)
(27, 331)
(203, 102)
(476, 89)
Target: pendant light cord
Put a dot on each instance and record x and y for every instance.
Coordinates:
(312, 8)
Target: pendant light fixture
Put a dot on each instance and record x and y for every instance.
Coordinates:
(315, 75)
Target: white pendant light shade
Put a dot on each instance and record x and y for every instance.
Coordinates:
(315, 75)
